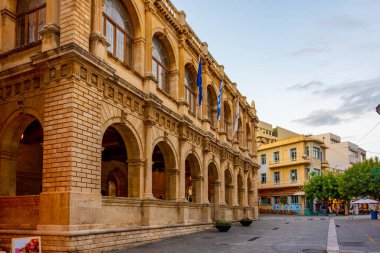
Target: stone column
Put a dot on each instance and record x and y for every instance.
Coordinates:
(8, 28)
(181, 167)
(181, 62)
(148, 160)
(245, 185)
(75, 23)
(71, 165)
(235, 185)
(205, 198)
(149, 84)
(51, 31)
(98, 42)
(135, 178)
(8, 163)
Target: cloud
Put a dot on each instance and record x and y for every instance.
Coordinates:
(320, 118)
(355, 99)
(307, 86)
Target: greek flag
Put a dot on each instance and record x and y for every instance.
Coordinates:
(199, 82)
(220, 99)
(237, 115)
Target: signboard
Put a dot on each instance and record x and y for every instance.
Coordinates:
(26, 245)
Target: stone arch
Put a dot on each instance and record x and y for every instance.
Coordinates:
(228, 186)
(213, 182)
(21, 152)
(129, 134)
(161, 34)
(193, 178)
(164, 171)
(121, 153)
(211, 105)
(119, 182)
(136, 18)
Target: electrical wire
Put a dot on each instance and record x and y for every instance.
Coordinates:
(369, 132)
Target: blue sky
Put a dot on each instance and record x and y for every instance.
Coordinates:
(311, 66)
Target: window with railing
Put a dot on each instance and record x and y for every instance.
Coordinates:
(263, 178)
(276, 157)
(293, 176)
(293, 154)
(31, 16)
(263, 159)
(317, 153)
(276, 177)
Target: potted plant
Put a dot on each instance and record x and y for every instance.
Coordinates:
(246, 221)
(223, 225)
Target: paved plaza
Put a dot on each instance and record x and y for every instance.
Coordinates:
(279, 234)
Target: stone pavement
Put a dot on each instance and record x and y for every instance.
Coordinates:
(274, 233)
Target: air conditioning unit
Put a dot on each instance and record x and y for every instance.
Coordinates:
(304, 156)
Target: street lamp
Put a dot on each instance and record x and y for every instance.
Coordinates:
(378, 109)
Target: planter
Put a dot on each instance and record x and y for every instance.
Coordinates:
(223, 228)
(245, 223)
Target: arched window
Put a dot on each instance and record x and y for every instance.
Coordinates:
(227, 119)
(160, 65)
(211, 106)
(190, 93)
(117, 28)
(30, 21)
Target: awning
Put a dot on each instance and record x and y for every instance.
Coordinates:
(299, 193)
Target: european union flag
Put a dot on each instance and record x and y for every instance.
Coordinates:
(199, 82)
(219, 102)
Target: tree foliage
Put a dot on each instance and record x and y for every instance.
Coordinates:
(322, 187)
(362, 179)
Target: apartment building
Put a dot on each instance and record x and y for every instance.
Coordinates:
(341, 155)
(285, 166)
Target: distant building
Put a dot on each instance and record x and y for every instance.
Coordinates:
(267, 134)
(285, 166)
(341, 155)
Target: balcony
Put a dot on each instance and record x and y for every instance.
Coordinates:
(324, 164)
(286, 163)
(272, 185)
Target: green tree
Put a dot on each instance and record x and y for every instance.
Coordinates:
(361, 179)
(322, 187)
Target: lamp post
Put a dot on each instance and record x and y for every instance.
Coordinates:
(378, 108)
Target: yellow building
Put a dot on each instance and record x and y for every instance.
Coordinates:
(285, 166)
(267, 134)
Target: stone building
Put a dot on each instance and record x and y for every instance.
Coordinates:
(101, 142)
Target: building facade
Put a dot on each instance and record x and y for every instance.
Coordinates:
(267, 134)
(341, 155)
(285, 166)
(102, 144)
